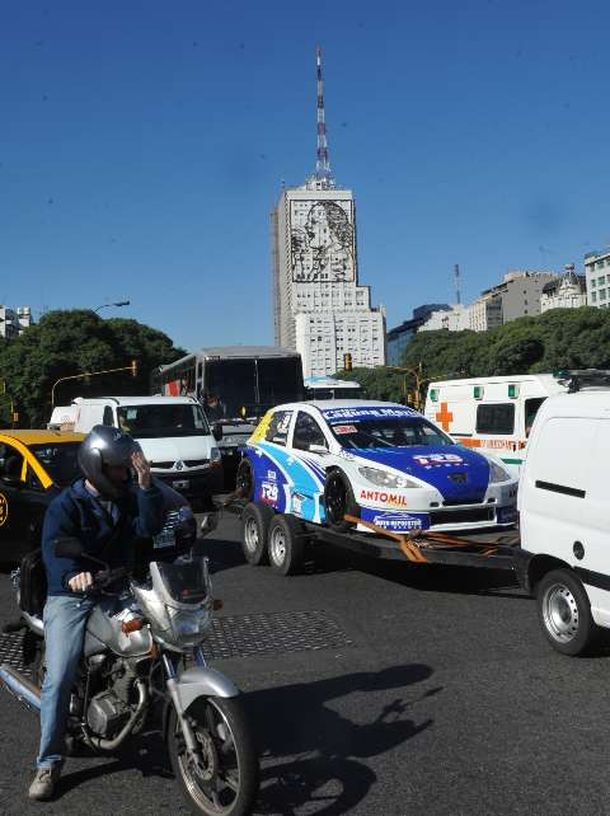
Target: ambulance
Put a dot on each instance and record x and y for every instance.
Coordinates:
(494, 415)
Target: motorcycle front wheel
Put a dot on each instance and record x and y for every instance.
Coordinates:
(223, 779)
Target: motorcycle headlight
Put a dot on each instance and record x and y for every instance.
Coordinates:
(382, 478)
(497, 473)
(189, 626)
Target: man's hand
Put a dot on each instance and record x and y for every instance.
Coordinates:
(80, 582)
(142, 469)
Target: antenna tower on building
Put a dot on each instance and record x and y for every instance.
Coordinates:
(323, 173)
(458, 295)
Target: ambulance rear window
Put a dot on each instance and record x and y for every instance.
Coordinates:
(497, 418)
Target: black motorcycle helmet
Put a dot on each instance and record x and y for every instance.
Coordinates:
(102, 447)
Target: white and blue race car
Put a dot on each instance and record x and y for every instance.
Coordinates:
(381, 462)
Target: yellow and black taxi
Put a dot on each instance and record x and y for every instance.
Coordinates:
(34, 466)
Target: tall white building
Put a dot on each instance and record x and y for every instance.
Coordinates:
(319, 308)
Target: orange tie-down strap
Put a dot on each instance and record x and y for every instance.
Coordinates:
(412, 549)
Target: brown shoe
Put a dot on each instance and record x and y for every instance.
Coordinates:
(44, 783)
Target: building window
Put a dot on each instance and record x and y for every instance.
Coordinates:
(602, 294)
(593, 283)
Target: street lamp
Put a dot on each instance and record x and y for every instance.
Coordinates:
(108, 305)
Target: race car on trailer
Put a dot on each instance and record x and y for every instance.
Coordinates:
(362, 467)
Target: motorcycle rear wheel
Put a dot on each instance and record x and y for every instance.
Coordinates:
(225, 783)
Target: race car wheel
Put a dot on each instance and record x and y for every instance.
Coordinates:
(339, 501)
(286, 544)
(256, 519)
(565, 612)
(244, 480)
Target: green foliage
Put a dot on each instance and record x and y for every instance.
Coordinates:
(65, 343)
(558, 339)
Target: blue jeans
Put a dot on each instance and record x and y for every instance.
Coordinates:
(65, 618)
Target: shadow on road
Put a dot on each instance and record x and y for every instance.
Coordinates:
(309, 751)
(321, 772)
(426, 577)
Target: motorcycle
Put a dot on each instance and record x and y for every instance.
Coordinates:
(143, 654)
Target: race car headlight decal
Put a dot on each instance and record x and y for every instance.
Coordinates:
(497, 473)
(382, 478)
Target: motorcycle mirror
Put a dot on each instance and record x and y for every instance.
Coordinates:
(68, 547)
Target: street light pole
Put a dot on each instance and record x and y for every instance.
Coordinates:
(108, 305)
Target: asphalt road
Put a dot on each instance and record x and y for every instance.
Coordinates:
(374, 689)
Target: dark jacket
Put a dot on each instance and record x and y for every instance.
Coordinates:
(75, 513)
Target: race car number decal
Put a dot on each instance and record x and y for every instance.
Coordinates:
(3, 509)
(438, 459)
(269, 492)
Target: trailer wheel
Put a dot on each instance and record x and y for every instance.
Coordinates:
(286, 545)
(244, 480)
(339, 501)
(256, 519)
(565, 612)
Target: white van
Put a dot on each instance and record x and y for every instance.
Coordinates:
(174, 435)
(492, 414)
(564, 506)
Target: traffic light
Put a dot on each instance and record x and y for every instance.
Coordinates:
(347, 361)
(134, 368)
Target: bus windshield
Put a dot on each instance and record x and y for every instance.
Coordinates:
(150, 420)
(250, 386)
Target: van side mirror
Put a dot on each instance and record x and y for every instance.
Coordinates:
(217, 432)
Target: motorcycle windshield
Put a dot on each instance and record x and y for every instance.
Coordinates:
(186, 582)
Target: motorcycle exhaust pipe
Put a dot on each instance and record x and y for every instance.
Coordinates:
(20, 687)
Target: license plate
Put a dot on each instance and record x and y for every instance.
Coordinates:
(181, 484)
(164, 539)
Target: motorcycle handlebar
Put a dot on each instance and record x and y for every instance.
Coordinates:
(105, 578)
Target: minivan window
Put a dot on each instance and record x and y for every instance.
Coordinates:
(149, 421)
(498, 418)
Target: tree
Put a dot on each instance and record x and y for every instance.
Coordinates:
(65, 343)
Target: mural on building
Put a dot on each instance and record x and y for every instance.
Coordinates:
(322, 241)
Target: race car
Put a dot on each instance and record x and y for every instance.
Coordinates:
(379, 462)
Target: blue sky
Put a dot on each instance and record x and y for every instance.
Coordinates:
(144, 143)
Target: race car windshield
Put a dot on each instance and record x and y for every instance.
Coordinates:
(389, 433)
(59, 461)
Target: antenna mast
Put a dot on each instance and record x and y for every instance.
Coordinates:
(458, 296)
(323, 172)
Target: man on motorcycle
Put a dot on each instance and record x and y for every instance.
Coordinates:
(107, 513)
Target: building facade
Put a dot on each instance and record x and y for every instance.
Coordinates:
(400, 336)
(517, 296)
(597, 279)
(14, 321)
(566, 292)
(319, 307)
(455, 318)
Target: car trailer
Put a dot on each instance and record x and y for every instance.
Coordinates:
(280, 540)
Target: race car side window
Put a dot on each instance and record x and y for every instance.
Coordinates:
(307, 432)
(277, 432)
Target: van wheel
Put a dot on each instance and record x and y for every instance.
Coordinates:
(339, 501)
(286, 544)
(565, 612)
(256, 519)
(244, 480)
